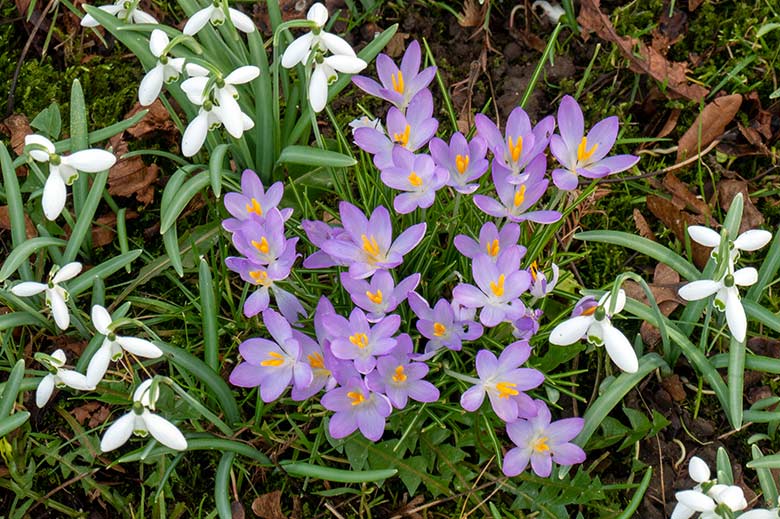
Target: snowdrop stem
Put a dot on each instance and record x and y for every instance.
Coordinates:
(668, 347)
(195, 404)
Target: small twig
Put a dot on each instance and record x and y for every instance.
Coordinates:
(333, 511)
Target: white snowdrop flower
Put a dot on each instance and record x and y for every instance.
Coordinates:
(590, 320)
(215, 14)
(553, 11)
(750, 240)
(126, 10)
(700, 473)
(166, 70)
(209, 118)
(760, 513)
(141, 422)
(56, 296)
(726, 296)
(114, 345)
(325, 73)
(58, 378)
(64, 170)
(317, 39)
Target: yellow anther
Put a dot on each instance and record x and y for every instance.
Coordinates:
(493, 248)
(583, 153)
(462, 163)
(254, 207)
(359, 339)
(356, 397)
(274, 359)
(399, 375)
(414, 179)
(398, 82)
(507, 389)
(519, 196)
(260, 276)
(370, 247)
(497, 287)
(589, 311)
(516, 149)
(534, 270)
(403, 138)
(376, 297)
(315, 360)
(540, 445)
(439, 329)
(262, 245)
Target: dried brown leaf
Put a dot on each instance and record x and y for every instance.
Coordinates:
(682, 196)
(131, 177)
(18, 128)
(472, 15)
(674, 386)
(642, 59)
(269, 506)
(693, 4)
(709, 125)
(95, 412)
(678, 221)
(670, 124)
(156, 120)
(5, 222)
(642, 226)
(727, 190)
(396, 45)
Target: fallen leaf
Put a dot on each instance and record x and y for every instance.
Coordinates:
(237, 510)
(18, 128)
(396, 46)
(95, 412)
(674, 386)
(131, 177)
(5, 222)
(693, 4)
(473, 14)
(269, 506)
(156, 120)
(709, 125)
(670, 30)
(682, 196)
(670, 124)
(642, 59)
(104, 230)
(642, 226)
(678, 221)
(751, 216)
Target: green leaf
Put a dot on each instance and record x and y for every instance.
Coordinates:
(725, 474)
(337, 475)
(736, 381)
(82, 231)
(49, 121)
(767, 480)
(767, 28)
(199, 443)
(21, 252)
(768, 270)
(14, 319)
(102, 271)
(215, 167)
(309, 156)
(208, 310)
(13, 422)
(222, 485)
(13, 197)
(180, 198)
(11, 390)
(411, 478)
(642, 245)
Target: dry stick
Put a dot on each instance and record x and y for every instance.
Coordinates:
(662, 171)
(333, 510)
(476, 482)
(496, 481)
(19, 63)
(65, 484)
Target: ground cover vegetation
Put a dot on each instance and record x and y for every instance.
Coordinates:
(389, 259)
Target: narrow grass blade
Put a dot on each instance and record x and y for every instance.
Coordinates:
(337, 475)
(13, 197)
(102, 271)
(628, 513)
(81, 234)
(642, 245)
(215, 168)
(12, 320)
(768, 270)
(308, 156)
(11, 389)
(736, 382)
(13, 422)
(183, 196)
(121, 233)
(22, 252)
(547, 54)
(767, 480)
(762, 315)
(264, 120)
(200, 443)
(208, 309)
(222, 485)
(104, 133)
(171, 242)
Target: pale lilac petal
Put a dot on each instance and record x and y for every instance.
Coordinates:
(571, 124)
(516, 461)
(615, 163)
(602, 135)
(342, 424)
(541, 463)
(565, 179)
(472, 398)
(568, 454)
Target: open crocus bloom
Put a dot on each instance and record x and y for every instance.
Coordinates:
(356, 406)
(64, 170)
(56, 296)
(592, 321)
(141, 421)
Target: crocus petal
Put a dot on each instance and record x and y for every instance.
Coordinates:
(619, 349)
(119, 432)
(90, 161)
(515, 461)
(139, 347)
(44, 391)
(472, 398)
(101, 319)
(735, 315)
(198, 20)
(342, 424)
(699, 289)
(541, 464)
(164, 431)
(565, 179)
(752, 240)
(570, 122)
(151, 85)
(571, 330)
(69, 271)
(28, 288)
(54, 195)
(704, 235)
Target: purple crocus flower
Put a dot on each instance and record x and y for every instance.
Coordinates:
(521, 143)
(516, 199)
(265, 244)
(399, 85)
(371, 246)
(500, 285)
(504, 382)
(272, 365)
(540, 286)
(253, 201)
(320, 361)
(401, 379)
(356, 407)
(542, 442)
(526, 327)
(318, 233)
(441, 325)
(264, 280)
(585, 155)
(380, 296)
(464, 161)
(358, 341)
(417, 175)
(411, 131)
(341, 370)
(491, 241)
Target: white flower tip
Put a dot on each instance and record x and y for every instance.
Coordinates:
(704, 235)
(101, 319)
(318, 14)
(698, 470)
